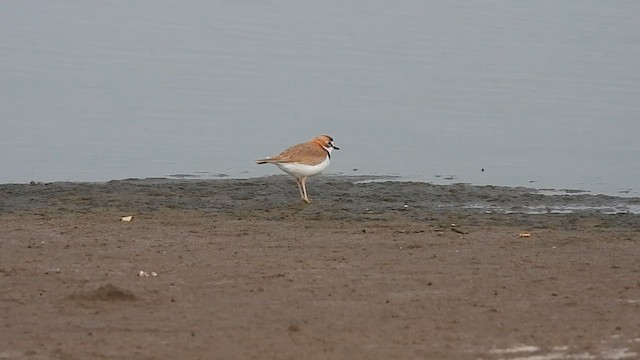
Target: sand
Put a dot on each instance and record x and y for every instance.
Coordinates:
(239, 269)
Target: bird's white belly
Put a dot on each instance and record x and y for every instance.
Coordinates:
(301, 170)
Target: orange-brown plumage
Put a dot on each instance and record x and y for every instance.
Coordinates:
(311, 153)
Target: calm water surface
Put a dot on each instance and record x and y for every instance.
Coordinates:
(538, 93)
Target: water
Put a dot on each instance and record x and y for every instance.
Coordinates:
(541, 94)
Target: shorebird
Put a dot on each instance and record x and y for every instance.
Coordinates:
(304, 160)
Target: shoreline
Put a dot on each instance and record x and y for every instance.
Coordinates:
(202, 176)
(364, 191)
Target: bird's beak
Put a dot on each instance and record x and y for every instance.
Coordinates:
(335, 147)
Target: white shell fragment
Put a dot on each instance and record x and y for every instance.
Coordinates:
(126, 218)
(524, 235)
(147, 274)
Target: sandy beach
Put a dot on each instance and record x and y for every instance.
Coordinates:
(239, 269)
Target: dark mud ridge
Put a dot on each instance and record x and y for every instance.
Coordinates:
(329, 195)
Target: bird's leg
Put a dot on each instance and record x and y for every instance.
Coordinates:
(304, 190)
(300, 188)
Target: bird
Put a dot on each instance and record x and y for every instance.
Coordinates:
(304, 160)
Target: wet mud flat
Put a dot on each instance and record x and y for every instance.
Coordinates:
(240, 269)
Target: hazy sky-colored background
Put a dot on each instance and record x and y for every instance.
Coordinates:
(544, 91)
